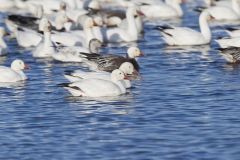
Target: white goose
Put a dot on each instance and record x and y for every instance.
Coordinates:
(225, 12)
(46, 47)
(233, 32)
(76, 38)
(188, 36)
(225, 3)
(3, 45)
(127, 68)
(229, 42)
(123, 35)
(98, 87)
(71, 54)
(169, 9)
(13, 74)
(27, 37)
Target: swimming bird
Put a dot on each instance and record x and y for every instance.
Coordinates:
(169, 9)
(226, 12)
(228, 42)
(71, 54)
(94, 87)
(14, 73)
(119, 34)
(231, 54)
(127, 68)
(45, 48)
(188, 36)
(233, 31)
(110, 62)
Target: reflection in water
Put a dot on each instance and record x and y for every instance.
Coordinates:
(186, 106)
(117, 105)
(232, 67)
(2, 60)
(18, 85)
(187, 49)
(127, 98)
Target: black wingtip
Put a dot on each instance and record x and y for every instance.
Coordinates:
(63, 85)
(199, 9)
(163, 27)
(20, 29)
(219, 49)
(68, 72)
(231, 28)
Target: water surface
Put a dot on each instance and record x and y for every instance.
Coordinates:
(185, 107)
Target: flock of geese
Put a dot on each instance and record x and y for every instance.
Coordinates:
(75, 31)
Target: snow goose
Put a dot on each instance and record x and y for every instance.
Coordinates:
(60, 20)
(225, 12)
(188, 36)
(76, 38)
(71, 54)
(13, 74)
(231, 54)
(109, 62)
(46, 47)
(127, 68)
(229, 42)
(27, 37)
(94, 87)
(118, 34)
(3, 45)
(233, 32)
(225, 3)
(169, 9)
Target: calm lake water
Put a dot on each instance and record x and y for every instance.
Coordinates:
(186, 106)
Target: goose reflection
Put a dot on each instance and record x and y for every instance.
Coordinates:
(118, 104)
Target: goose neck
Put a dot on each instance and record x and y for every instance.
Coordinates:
(47, 38)
(204, 27)
(132, 28)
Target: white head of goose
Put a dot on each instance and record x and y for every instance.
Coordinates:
(14, 73)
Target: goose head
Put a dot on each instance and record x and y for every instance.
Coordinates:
(63, 6)
(94, 45)
(113, 21)
(134, 10)
(206, 15)
(61, 19)
(94, 5)
(88, 23)
(19, 65)
(43, 22)
(134, 52)
(117, 75)
(98, 21)
(128, 70)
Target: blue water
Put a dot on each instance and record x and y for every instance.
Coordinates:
(185, 107)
